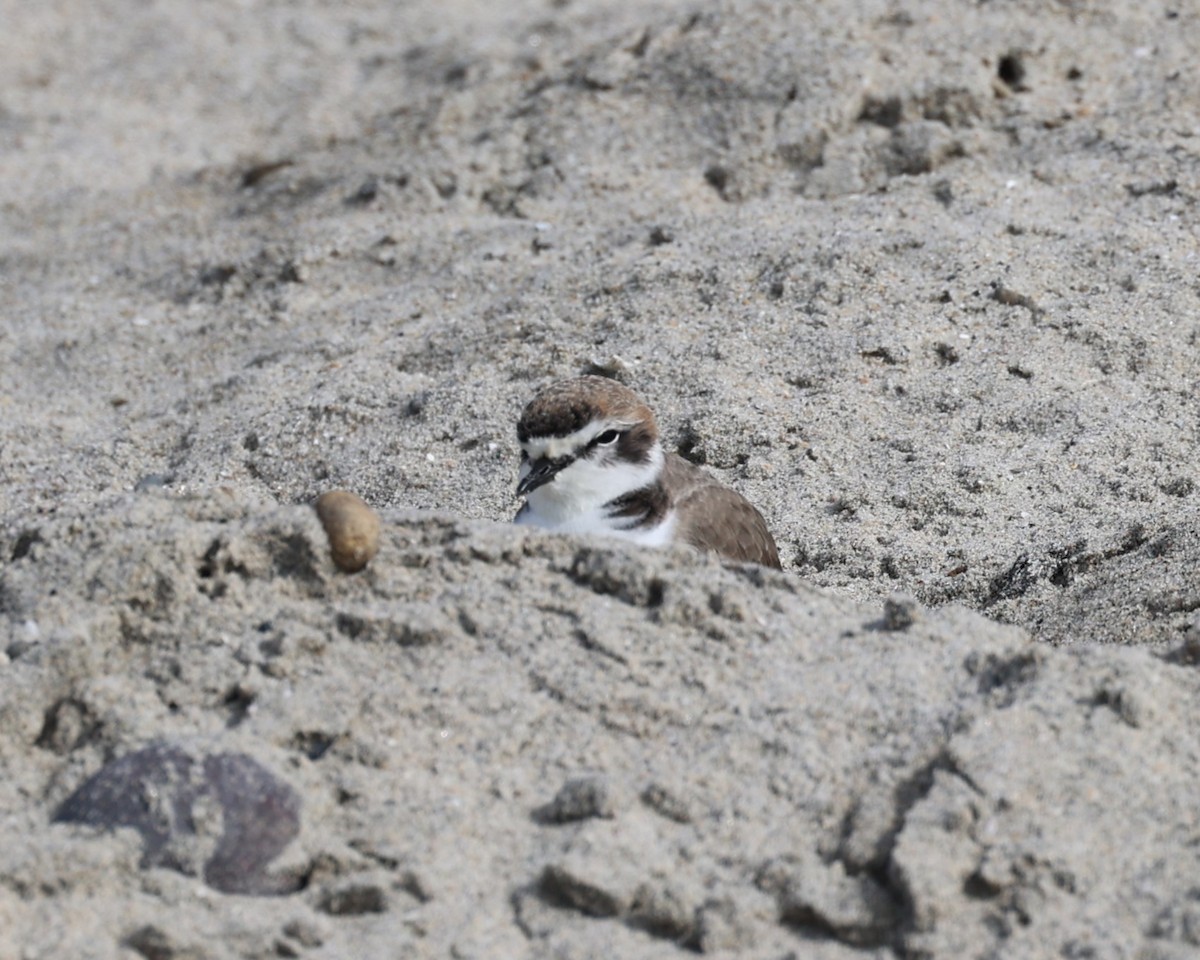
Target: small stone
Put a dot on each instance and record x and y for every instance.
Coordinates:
(151, 942)
(661, 235)
(68, 724)
(580, 798)
(352, 528)
(1188, 652)
(353, 900)
(900, 611)
(667, 803)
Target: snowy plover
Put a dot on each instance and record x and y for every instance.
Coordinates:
(591, 462)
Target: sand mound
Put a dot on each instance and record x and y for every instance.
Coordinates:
(920, 282)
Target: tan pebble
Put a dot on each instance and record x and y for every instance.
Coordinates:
(352, 528)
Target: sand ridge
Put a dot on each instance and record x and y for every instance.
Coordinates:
(919, 282)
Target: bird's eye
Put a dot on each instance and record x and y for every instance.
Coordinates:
(524, 455)
(608, 437)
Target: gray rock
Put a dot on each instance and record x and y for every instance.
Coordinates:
(580, 798)
(222, 816)
(928, 301)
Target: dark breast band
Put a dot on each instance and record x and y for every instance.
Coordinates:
(645, 507)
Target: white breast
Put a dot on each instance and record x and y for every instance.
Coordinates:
(594, 521)
(574, 501)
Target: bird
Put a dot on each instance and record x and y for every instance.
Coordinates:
(592, 462)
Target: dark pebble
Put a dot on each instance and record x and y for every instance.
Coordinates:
(156, 791)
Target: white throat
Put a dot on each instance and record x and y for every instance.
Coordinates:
(574, 501)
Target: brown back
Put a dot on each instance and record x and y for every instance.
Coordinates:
(715, 518)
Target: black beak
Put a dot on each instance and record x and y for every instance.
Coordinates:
(541, 472)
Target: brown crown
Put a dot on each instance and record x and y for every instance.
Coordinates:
(566, 405)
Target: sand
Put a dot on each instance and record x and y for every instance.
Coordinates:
(920, 281)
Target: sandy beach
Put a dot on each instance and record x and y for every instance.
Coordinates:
(920, 281)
